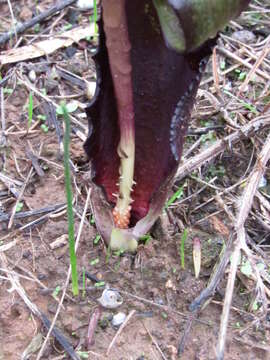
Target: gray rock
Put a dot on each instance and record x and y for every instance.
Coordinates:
(118, 319)
(244, 36)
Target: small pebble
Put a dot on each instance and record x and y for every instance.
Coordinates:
(244, 36)
(90, 89)
(118, 319)
(85, 4)
(263, 182)
(32, 76)
(110, 299)
(71, 51)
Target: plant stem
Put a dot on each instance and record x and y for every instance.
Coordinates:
(30, 110)
(182, 247)
(72, 253)
(95, 17)
(118, 45)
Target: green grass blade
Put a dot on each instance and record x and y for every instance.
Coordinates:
(73, 260)
(175, 196)
(30, 110)
(95, 17)
(182, 247)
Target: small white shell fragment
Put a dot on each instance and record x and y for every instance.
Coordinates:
(263, 182)
(32, 76)
(118, 319)
(59, 242)
(110, 299)
(85, 4)
(90, 89)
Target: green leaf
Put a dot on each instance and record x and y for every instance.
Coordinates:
(70, 107)
(100, 284)
(248, 106)
(67, 27)
(177, 195)
(242, 75)
(19, 206)
(164, 315)
(96, 239)
(255, 306)
(44, 128)
(94, 262)
(56, 291)
(92, 220)
(83, 354)
(42, 117)
(222, 65)
(146, 238)
(8, 91)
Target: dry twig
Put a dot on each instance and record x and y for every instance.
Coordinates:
(67, 280)
(240, 242)
(42, 16)
(119, 331)
(46, 47)
(210, 153)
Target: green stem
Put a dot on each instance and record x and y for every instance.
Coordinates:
(126, 152)
(72, 253)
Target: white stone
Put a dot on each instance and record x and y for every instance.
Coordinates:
(118, 319)
(85, 4)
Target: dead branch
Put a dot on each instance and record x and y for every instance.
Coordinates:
(240, 241)
(213, 151)
(19, 29)
(46, 47)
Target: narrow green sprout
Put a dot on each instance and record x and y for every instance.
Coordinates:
(92, 220)
(30, 110)
(56, 291)
(8, 91)
(108, 254)
(146, 239)
(41, 117)
(177, 195)
(94, 262)
(73, 260)
(100, 284)
(182, 247)
(248, 106)
(19, 207)
(83, 354)
(67, 27)
(164, 315)
(95, 17)
(44, 128)
(97, 239)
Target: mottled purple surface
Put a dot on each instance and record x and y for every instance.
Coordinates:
(164, 88)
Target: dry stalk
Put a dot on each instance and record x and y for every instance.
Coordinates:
(67, 280)
(258, 62)
(240, 242)
(119, 331)
(220, 145)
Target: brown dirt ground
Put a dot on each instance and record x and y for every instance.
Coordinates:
(153, 274)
